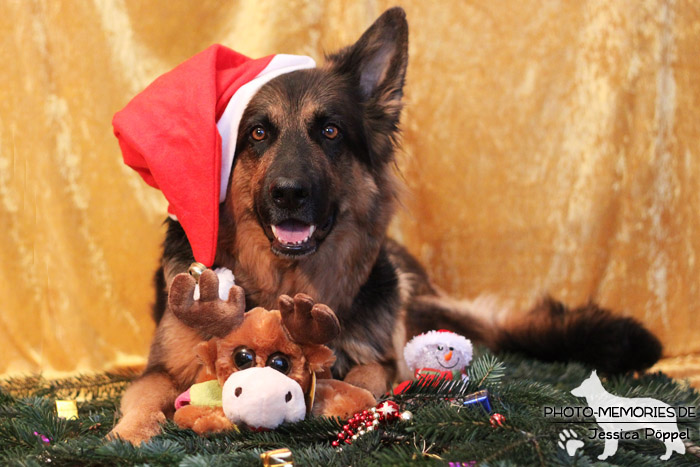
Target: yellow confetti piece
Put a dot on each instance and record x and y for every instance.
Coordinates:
(277, 458)
(67, 409)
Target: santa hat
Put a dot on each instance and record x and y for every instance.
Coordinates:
(180, 133)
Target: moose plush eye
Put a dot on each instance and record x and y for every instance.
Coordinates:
(330, 131)
(279, 362)
(258, 133)
(243, 358)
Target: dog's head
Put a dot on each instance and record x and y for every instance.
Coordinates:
(314, 146)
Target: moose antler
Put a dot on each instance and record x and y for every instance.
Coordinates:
(308, 323)
(209, 314)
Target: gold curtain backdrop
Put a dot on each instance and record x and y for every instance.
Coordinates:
(547, 147)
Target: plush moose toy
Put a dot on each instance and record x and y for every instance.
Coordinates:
(259, 368)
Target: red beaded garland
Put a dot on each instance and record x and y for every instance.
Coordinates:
(361, 422)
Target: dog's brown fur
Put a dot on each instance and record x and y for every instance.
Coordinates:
(380, 294)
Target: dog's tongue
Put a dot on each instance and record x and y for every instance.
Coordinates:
(292, 231)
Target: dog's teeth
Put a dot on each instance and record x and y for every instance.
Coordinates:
(280, 235)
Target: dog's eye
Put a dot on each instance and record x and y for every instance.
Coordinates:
(279, 362)
(258, 133)
(330, 131)
(243, 358)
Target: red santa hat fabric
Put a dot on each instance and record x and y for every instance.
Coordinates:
(180, 132)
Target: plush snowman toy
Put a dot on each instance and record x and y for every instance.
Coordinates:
(437, 355)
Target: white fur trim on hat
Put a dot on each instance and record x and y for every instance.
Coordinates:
(231, 118)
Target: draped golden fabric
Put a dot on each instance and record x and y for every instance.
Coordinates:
(548, 147)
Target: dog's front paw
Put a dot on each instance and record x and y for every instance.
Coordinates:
(137, 428)
(372, 377)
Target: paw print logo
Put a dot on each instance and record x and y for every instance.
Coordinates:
(569, 441)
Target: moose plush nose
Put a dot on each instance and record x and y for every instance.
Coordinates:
(448, 356)
(289, 193)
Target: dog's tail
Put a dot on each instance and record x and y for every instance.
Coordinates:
(549, 331)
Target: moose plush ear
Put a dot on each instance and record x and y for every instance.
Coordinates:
(206, 352)
(320, 357)
(377, 62)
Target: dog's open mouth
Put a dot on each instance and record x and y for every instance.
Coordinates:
(296, 238)
(293, 232)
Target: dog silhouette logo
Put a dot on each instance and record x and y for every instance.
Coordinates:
(623, 418)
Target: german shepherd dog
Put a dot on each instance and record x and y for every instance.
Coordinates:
(309, 201)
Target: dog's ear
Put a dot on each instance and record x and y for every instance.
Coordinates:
(377, 63)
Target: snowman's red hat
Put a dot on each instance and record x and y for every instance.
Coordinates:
(180, 133)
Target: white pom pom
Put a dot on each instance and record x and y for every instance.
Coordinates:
(226, 281)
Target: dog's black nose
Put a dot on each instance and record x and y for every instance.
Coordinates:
(289, 193)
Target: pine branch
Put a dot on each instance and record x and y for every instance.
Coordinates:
(442, 429)
(82, 387)
(21, 387)
(486, 372)
(88, 387)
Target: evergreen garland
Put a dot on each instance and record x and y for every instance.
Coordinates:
(442, 431)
